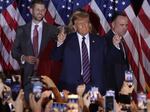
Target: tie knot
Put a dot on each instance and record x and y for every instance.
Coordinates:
(36, 26)
(83, 38)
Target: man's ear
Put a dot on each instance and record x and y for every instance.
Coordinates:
(90, 27)
(30, 10)
(113, 25)
(45, 10)
(74, 28)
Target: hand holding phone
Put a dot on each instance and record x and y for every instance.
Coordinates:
(126, 89)
(6, 93)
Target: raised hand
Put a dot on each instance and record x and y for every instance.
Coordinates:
(81, 89)
(48, 81)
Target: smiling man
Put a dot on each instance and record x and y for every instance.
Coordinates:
(31, 39)
(83, 56)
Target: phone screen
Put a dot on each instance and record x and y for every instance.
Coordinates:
(15, 89)
(93, 94)
(8, 82)
(37, 89)
(109, 103)
(128, 76)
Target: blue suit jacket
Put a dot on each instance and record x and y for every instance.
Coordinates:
(69, 53)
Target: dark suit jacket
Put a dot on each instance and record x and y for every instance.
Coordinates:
(23, 45)
(69, 53)
(116, 64)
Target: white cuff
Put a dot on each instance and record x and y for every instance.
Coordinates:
(117, 46)
(59, 43)
(11, 107)
(22, 61)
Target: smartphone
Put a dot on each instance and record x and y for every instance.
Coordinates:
(37, 89)
(15, 86)
(109, 101)
(93, 94)
(142, 101)
(129, 77)
(6, 95)
(37, 86)
(34, 79)
(8, 82)
(72, 105)
(58, 107)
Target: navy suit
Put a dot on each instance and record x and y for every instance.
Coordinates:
(116, 64)
(69, 53)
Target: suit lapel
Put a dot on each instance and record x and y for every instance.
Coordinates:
(75, 44)
(111, 34)
(92, 46)
(44, 37)
(28, 37)
(76, 48)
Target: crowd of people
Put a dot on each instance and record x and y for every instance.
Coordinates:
(93, 67)
(51, 95)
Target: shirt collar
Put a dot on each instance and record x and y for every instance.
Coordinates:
(39, 24)
(80, 36)
(114, 32)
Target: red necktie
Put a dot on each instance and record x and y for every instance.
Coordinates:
(85, 62)
(35, 40)
(122, 48)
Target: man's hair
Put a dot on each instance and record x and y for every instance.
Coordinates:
(37, 2)
(78, 15)
(116, 14)
(81, 14)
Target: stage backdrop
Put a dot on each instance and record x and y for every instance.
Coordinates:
(14, 13)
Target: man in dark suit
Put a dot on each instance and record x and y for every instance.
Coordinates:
(76, 69)
(117, 61)
(31, 39)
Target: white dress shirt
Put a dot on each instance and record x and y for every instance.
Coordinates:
(87, 42)
(40, 29)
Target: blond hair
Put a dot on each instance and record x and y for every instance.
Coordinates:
(77, 15)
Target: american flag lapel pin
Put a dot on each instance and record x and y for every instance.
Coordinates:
(93, 41)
